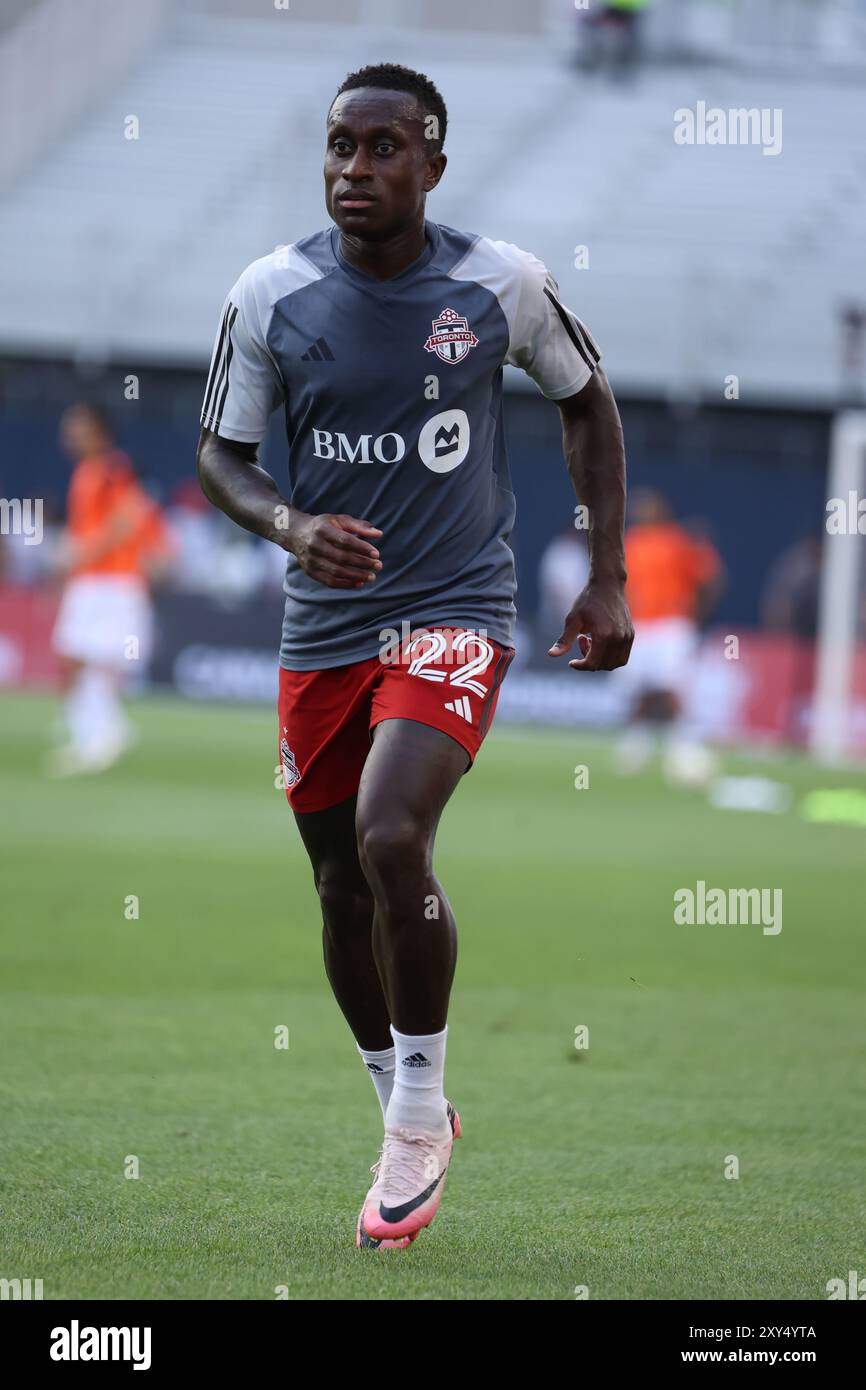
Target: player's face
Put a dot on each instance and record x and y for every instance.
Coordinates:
(80, 434)
(378, 163)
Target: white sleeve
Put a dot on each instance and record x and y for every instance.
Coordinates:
(547, 340)
(244, 385)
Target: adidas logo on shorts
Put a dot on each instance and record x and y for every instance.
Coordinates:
(460, 706)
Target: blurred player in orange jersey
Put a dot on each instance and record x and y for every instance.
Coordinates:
(116, 542)
(673, 579)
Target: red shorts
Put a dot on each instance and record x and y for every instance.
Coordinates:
(448, 678)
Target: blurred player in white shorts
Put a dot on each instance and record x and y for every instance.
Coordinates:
(673, 577)
(115, 542)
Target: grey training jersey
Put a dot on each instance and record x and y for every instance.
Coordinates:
(392, 393)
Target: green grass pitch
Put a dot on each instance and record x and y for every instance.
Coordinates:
(602, 1168)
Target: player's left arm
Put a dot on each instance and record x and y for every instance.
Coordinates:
(595, 457)
(553, 347)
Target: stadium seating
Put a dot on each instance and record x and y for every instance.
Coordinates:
(112, 246)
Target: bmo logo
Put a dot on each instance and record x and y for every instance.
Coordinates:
(442, 444)
(444, 441)
(381, 448)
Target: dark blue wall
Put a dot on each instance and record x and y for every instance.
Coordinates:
(755, 477)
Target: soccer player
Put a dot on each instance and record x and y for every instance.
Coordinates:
(384, 338)
(674, 578)
(116, 542)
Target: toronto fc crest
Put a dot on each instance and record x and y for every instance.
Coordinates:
(452, 338)
(291, 775)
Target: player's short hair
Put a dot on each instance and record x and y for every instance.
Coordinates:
(393, 77)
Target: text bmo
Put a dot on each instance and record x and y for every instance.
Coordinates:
(443, 444)
(381, 448)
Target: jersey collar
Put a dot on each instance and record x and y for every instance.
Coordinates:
(431, 232)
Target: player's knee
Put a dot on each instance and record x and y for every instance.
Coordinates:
(347, 906)
(391, 848)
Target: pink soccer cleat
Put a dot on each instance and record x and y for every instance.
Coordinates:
(363, 1239)
(410, 1176)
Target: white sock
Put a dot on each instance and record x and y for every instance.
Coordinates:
(94, 712)
(380, 1066)
(635, 747)
(418, 1098)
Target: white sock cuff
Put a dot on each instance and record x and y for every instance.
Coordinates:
(388, 1054)
(418, 1039)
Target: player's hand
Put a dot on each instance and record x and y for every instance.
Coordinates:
(599, 621)
(331, 549)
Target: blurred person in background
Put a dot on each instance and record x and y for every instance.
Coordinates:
(197, 536)
(116, 542)
(792, 589)
(563, 570)
(674, 578)
(215, 559)
(610, 37)
(790, 605)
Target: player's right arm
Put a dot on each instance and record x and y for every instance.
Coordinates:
(244, 387)
(331, 547)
